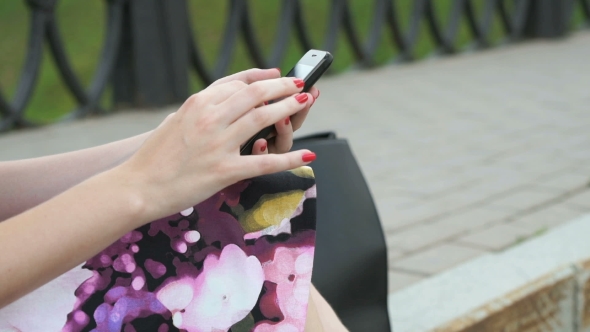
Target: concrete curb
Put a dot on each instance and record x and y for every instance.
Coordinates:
(542, 285)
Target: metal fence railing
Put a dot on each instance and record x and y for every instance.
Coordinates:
(149, 48)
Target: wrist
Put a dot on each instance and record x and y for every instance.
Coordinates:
(131, 199)
(130, 147)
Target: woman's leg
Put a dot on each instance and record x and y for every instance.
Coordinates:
(320, 316)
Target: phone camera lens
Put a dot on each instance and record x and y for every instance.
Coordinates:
(314, 55)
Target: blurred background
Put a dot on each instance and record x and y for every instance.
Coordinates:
(83, 25)
(468, 118)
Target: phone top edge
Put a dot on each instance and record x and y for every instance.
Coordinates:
(314, 57)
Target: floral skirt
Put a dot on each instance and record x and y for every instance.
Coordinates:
(240, 261)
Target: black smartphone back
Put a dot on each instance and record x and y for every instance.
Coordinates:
(309, 68)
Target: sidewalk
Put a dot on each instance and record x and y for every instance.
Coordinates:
(464, 155)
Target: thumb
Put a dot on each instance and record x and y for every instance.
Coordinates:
(253, 166)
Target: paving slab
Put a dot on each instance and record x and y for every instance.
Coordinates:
(547, 218)
(471, 219)
(579, 201)
(567, 181)
(437, 259)
(415, 238)
(394, 253)
(524, 199)
(497, 237)
(399, 280)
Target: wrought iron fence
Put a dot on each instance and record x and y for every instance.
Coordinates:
(150, 48)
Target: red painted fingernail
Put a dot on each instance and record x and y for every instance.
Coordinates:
(302, 98)
(263, 148)
(308, 157)
(299, 82)
(265, 103)
(287, 121)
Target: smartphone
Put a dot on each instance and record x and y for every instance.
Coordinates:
(309, 68)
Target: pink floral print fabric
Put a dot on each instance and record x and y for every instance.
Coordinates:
(240, 261)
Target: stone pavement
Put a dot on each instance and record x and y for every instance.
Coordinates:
(464, 155)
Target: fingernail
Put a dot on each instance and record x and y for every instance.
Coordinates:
(287, 121)
(308, 157)
(279, 69)
(318, 95)
(299, 82)
(302, 98)
(265, 103)
(263, 148)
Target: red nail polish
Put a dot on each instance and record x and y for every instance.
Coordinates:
(302, 98)
(287, 121)
(263, 148)
(299, 82)
(308, 157)
(265, 103)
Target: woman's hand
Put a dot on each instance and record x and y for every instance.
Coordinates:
(195, 152)
(190, 156)
(282, 140)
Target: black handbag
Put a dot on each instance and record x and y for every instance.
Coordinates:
(350, 266)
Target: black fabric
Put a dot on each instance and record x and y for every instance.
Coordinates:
(350, 266)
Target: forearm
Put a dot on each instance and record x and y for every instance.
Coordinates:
(28, 183)
(58, 235)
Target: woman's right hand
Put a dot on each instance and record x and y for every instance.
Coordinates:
(195, 152)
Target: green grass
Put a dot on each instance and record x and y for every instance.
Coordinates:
(82, 25)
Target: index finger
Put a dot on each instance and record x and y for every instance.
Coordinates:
(250, 76)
